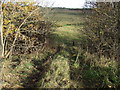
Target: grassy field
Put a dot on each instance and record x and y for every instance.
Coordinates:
(75, 67)
(67, 33)
(66, 67)
(69, 22)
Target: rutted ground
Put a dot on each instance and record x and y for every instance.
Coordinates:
(66, 35)
(63, 64)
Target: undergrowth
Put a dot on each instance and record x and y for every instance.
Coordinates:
(71, 67)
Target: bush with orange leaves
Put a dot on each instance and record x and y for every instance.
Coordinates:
(24, 28)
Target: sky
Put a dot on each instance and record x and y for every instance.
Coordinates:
(63, 3)
(59, 3)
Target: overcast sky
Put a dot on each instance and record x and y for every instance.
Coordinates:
(59, 3)
(63, 3)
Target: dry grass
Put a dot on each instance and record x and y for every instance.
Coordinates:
(58, 74)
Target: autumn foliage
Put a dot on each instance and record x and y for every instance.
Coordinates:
(25, 30)
(102, 29)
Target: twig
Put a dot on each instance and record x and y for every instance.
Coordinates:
(18, 31)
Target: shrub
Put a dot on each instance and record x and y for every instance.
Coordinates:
(102, 30)
(25, 30)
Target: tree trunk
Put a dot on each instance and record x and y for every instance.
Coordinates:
(1, 32)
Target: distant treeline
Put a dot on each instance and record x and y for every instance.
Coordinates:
(72, 8)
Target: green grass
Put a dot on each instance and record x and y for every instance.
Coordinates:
(70, 23)
(64, 16)
(72, 67)
(66, 34)
(88, 70)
